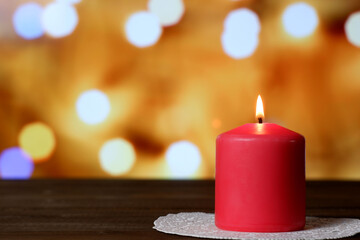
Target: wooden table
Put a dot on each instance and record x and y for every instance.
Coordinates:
(126, 209)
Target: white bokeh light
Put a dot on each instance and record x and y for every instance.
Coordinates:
(27, 21)
(169, 12)
(239, 46)
(243, 20)
(143, 29)
(183, 159)
(352, 29)
(93, 107)
(241, 33)
(69, 1)
(117, 156)
(59, 19)
(300, 19)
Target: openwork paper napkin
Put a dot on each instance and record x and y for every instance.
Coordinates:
(202, 225)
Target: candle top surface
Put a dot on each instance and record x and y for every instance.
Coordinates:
(263, 131)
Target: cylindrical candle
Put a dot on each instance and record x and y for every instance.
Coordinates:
(260, 179)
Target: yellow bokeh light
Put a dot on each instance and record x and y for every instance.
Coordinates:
(117, 156)
(38, 140)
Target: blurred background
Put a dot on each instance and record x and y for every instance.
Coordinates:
(141, 89)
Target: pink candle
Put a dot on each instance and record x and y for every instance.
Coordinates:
(260, 178)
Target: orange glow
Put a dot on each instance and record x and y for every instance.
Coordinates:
(259, 108)
(183, 87)
(216, 123)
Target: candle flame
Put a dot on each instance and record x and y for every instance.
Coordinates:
(259, 109)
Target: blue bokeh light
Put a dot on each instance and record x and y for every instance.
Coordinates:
(15, 164)
(27, 21)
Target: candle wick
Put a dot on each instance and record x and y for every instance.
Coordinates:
(260, 120)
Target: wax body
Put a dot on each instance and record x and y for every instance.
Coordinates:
(260, 179)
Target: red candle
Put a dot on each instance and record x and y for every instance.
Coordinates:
(260, 178)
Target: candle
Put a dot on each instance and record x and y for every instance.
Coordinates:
(260, 178)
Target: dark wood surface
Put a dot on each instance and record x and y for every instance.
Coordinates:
(126, 209)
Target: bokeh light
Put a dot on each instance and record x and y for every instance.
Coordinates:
(15, 164)
(352, 29)
(37, 140)
(59, 19)
(237, 45)
(69, 1)
(169, 12)
(27, 21)
(243, 20)
(300, 19)
(183, 158)
(241, 33)
(93, 107)
(143, 29)
(117, 156)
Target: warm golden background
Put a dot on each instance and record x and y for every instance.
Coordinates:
(182, 88)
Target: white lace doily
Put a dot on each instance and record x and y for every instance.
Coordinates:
(197, 224)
